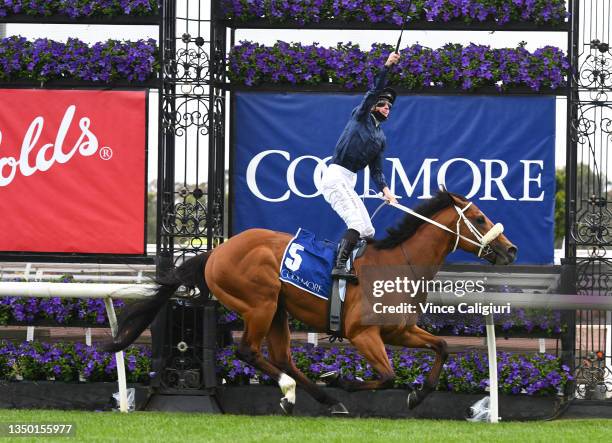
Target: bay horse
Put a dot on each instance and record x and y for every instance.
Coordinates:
(243, 274)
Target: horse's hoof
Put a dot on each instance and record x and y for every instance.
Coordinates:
(413, 400)
(338, 410)
(330, 378)
(286, 406)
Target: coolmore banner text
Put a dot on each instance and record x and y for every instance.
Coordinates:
(496, 151)
(72, 171)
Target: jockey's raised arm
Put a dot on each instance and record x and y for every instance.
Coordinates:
(361, 144)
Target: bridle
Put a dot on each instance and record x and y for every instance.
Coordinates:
(481, 241)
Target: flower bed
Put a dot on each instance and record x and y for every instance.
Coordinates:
(103, 62)
(70, 362)
(520, 321)
(541, 322)
(346, 65)
(537, 374)
(55, 310)
(395, 12)
(79, 8)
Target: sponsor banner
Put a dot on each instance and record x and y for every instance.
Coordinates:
(72, 171)
(496, 151)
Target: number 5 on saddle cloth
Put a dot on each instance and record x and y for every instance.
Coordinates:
(307, 264)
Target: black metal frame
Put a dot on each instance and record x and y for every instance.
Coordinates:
(190, 201)
(588, 191)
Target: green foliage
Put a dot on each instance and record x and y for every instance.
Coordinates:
(152, 217)
(559, 206)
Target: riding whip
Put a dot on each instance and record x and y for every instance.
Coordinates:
(399, 40)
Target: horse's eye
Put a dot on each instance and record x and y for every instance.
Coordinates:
(480, 220)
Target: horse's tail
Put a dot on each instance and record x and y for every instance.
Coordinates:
(136, 317)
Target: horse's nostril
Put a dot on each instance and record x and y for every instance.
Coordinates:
(512, 250)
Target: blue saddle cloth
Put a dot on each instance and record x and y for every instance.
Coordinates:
(307, 263)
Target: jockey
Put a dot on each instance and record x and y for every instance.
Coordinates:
(361, 144)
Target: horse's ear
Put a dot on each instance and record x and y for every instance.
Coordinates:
(442, 188)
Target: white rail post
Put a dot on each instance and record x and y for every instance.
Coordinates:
(112, 320)
(492, 349)
(88, 336)
(313, 338)
(542, 343)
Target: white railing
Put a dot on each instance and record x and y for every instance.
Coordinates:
(107, 291)
(520, 300)
(80, 272)
(122, 291)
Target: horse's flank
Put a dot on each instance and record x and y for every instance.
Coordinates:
(266, 248)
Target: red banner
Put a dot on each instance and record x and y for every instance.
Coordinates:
(72, 171)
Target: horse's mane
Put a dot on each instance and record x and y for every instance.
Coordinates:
(409, 225)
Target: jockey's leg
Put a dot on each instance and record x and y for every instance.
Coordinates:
(347, 243)
(338, 191)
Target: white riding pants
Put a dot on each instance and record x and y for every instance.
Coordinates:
(338, 188)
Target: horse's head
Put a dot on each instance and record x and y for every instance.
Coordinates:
(480, 236)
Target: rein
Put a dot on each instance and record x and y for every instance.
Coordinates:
(482, 241)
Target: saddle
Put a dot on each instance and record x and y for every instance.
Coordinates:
(338, 293)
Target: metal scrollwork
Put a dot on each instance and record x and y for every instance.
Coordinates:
(593, 378)
(594, 274)
(189, 65)
(188, 219)
(189, 112)
(594, 223)
(595, 71)
(589, 225)
(216, 219)
(192, 108)
(219, 113)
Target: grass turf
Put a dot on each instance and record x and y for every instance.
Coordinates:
(168, 427)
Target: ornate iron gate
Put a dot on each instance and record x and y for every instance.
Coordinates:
(589, 219)
(191, 185)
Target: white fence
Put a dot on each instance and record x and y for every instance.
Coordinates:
(109, 291)
(85, 290)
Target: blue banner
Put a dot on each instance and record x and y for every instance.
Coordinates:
(497, 151)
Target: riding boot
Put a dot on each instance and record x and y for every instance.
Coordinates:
(347, 244)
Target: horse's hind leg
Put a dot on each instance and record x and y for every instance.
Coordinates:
(415, 337)
(279, 341)
(257, 323)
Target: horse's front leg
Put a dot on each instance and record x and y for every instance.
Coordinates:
(415, 337)
(370, 344)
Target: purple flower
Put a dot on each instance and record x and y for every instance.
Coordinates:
(301, 12)
(79, 8)
(109, 61)
(465, 372)
(346, 65)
